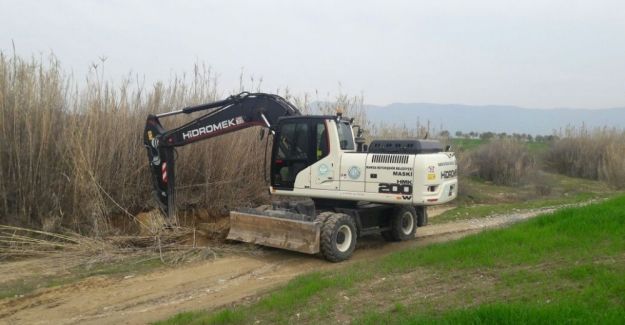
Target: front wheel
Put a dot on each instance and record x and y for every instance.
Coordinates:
(338, 237)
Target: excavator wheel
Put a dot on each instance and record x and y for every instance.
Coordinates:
(403, 225)
(422, 216)
(338, 237)
(387, 235)
(323, 216)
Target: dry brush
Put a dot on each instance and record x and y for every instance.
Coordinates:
(501, 161)
(72, 157)
(593, 154)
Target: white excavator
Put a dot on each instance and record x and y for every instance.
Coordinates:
(335, 187)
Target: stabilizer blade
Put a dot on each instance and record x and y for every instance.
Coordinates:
(294, 235)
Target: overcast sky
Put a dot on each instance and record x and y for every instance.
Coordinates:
(527, 53)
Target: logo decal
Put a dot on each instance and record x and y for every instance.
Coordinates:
(212, 128)
(353, 172)
(449, 173)
(323, 169)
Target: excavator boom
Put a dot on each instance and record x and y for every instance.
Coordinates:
(231, 114)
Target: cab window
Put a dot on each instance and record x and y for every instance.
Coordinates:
(321, 137)
(346, 138)
(292, 153)
(293, 142)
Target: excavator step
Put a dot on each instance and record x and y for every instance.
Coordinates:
(295, 235)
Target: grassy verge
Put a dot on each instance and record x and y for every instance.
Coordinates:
(503, 314)
(486, 199)
(563, 267)
(480, 211)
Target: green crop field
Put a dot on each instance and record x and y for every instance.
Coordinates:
(465, 144)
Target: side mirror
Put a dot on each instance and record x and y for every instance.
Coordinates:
(262, 134)
(448, 148)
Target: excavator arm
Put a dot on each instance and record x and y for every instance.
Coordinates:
(225, 116)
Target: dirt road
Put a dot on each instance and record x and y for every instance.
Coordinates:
(206, 285)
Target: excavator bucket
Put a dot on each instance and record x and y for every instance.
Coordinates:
(294, 235)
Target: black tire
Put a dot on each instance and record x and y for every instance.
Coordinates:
(338, 237)
(422, 216)
(403, 224)
(323, 216)
(387, 235)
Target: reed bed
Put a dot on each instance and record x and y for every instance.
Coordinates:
(589, 153)
(72, 157)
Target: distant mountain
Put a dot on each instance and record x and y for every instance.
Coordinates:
(508, 119)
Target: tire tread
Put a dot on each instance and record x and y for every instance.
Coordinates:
(396, 232)
(327, 246)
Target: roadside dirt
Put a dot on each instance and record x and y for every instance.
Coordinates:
(204, 285)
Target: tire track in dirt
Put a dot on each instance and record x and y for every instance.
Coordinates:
(206, 285)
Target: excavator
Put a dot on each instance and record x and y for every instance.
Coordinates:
(331, 187)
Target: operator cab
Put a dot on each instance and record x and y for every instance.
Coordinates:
(301, 141)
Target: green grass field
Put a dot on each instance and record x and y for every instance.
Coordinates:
(565, 267)
(462, 144)
(479, 199)
(465, 144)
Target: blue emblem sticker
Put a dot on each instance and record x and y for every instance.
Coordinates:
(353, 172)
(323, 169)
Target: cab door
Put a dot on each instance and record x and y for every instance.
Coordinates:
(324, 172)
(292, 153)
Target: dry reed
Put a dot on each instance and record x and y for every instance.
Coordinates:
(593, 154)
(72, 157)
(503, 162)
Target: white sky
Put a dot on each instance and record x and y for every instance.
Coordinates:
(561, 53)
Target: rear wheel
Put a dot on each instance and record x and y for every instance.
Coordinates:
(422, 216)
(338, 237)
(387, 235)
(403, 225)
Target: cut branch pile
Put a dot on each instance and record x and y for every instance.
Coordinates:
(172, 246)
